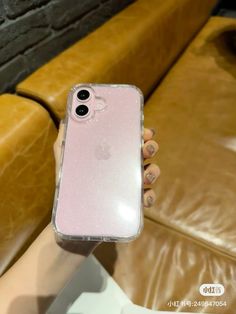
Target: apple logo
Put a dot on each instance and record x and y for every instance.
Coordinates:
(102, 151)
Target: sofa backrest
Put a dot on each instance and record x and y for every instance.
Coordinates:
(136, 46)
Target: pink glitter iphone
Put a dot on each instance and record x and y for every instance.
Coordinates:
(99, 196)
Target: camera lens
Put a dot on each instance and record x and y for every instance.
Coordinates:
(83, 94)
(82, 110)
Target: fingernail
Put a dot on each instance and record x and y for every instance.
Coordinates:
(153, 131)
(151, 149)
(150, 177)
(150, 201)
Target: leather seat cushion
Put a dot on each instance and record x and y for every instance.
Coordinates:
(195, 115)
(162, 266)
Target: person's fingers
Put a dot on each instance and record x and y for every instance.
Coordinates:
(151, 173)
(150, 148)
(148, 134)
(57, 147)
(149, 197)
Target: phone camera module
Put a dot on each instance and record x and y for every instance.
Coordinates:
(83, 94)
(82, 110)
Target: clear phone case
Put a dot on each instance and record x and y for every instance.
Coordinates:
(99, 194)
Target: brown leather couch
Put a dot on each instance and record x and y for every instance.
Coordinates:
(189, 236)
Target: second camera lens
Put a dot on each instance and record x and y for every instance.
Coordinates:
(83, 94)
(82, 110)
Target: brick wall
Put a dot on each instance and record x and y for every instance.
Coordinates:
(34, 31)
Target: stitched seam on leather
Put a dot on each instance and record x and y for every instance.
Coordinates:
(195, 240)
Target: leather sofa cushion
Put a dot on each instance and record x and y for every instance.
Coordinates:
(27, 175)
(195, 115)
(136, 46)
(162, 265)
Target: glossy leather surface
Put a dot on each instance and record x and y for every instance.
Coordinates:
(136, 46)
(162, 265)
(27, 175)
(195, 115)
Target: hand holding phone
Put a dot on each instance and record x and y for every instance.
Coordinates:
(87, 159)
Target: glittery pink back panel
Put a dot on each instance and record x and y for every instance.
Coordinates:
(99, 195)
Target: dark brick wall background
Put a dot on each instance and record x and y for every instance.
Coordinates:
(34, 31)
